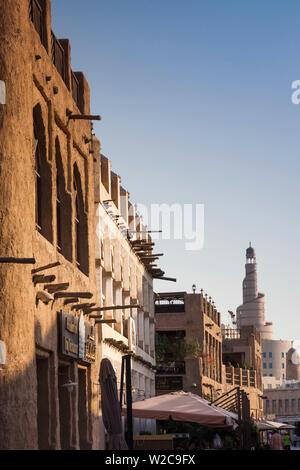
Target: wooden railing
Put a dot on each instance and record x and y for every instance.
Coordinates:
(76, 90)
(241, 377)
(231, 333)
(177, 367)
(170, 308)
(168, 384)
(58, 56)
(37, 17)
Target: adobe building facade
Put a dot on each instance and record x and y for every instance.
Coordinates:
(194, 317)
(222, 360)
(242, 365)
(47, 213)
(57, 316)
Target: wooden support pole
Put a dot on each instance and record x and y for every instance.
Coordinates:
(129, 402)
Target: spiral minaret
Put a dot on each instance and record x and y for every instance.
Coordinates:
(252, 311)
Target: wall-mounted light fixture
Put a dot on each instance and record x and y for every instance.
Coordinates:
(69, 385)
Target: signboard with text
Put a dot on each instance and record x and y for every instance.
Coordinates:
(77, 338)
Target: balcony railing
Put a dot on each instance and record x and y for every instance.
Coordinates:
(170, 308)
(177, 367)
(58, 56)
(241, 377)
(37, 17)
(231, 333)
(75, 88)
(169, 384)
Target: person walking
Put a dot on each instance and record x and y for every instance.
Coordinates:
(286, 441)
(276, 442)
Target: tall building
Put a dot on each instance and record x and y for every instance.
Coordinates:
(181, 317)
(196, 354)
(274, 357)
(48, 384)
(252, 311)
(124, 278)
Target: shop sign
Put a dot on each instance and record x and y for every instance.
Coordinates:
(77, 338)
(90, 343)
(81, 337)
(69, 335)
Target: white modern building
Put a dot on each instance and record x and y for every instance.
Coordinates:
(274, 359)
(124, 277)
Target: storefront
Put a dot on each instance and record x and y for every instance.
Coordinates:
(67, 381)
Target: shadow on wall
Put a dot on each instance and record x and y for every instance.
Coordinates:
(37, 410)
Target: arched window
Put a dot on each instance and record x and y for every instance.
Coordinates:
(63, 209)
(43, 177)
(81, 226)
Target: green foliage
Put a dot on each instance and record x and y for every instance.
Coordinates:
(201, 436)
(228, 442)
(161, 344)
(176, 350)
(244, 365)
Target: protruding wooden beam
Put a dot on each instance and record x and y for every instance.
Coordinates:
(17, 260)
(80, 295)
(71, 301)
(113, 307)
(83, 306)
(39, 278)
(43, 268)
(165, 278)
(51, 288)
(105, 321)
(153, 255)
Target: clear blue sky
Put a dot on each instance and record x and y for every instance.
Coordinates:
(195, 97)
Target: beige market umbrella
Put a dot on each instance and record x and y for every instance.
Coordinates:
(182, 406)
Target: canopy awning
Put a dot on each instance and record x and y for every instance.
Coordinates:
(266, 425)
(183, 406)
